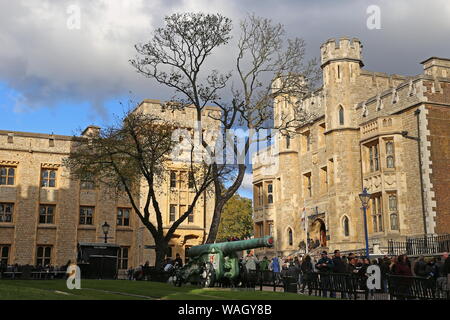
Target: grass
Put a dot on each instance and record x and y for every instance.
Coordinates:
(126, 290)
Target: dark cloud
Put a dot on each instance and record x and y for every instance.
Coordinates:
(47, 63)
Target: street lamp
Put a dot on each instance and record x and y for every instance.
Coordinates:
(105, 228)
(365, 197)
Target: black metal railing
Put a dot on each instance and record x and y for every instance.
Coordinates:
(358, 252)
(352, 286)
(265, 278)
(36, 275)
(415, 288)
(346, 284)
(414, 246)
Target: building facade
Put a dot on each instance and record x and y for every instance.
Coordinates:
(387, 133)
(45, 212)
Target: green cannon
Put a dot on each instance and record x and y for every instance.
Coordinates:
(216, 262)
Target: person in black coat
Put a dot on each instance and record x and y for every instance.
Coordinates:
(307, 272)
(325, 265)
(446, 266)
(420, 268)
(338, 264)
(384, 269)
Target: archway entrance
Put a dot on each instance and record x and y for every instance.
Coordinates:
(318, 233)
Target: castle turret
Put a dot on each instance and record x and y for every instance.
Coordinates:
(341, 64)
(345, 50)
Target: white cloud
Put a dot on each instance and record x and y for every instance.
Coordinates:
(247, 183)
(48, 64)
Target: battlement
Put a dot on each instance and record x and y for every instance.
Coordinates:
(344, 49)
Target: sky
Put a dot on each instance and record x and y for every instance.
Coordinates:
(58, 78)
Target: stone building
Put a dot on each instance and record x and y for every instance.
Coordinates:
(44, 212)
(364, 134)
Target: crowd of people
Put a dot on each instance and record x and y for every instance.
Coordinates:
(304, 266)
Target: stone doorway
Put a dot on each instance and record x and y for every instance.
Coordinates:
(318, 233)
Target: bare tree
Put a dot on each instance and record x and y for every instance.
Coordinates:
(268, 67)
(135, 155)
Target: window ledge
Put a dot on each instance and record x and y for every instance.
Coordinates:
(86, 227)
(46, 226)
(7, 225)
(377, 235)
(8, 185)
(124, 228)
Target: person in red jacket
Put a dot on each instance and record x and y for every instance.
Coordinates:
(402, 268)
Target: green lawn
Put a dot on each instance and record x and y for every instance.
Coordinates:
(124, 290)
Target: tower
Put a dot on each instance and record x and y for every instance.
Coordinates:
(341, 65)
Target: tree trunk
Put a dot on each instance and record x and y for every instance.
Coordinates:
(161, 251)
(220, 201)
(214, 228)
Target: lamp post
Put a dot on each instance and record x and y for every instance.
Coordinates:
(105, 228)
(365, 197)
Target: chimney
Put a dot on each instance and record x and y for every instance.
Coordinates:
(437, 67)
(91, 131)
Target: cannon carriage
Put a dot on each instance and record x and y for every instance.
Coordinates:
(216, 262)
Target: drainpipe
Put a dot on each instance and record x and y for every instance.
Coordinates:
(362, 187)
(417, 113)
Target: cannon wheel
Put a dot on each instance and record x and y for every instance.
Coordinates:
(208, 276)
(177, 280)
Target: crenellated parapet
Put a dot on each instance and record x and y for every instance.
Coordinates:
(394, 99)
(345, 49)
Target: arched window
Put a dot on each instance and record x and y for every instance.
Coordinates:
(345, 226)
(393, 202)
(341, 115)
(394, 221)
(270, 193)
(290, 237)
(390, 154)
(393, 212)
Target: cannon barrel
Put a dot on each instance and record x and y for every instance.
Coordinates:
(231, 246)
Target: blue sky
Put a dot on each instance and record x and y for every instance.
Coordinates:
(58, 79)
(66, 117)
